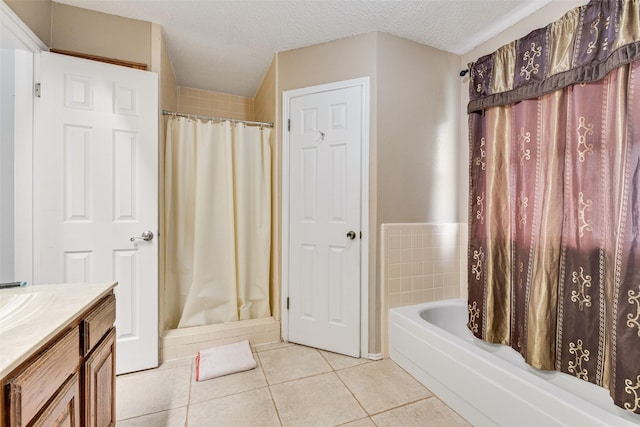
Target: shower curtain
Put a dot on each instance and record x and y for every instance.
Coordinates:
(217, 222)
(554, 219)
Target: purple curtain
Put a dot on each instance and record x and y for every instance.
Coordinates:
(554, 215)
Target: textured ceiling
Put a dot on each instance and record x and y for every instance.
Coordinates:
(227, 45)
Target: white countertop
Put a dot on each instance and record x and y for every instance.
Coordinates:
(32, 315)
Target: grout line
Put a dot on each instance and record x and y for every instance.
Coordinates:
(402, 405)
(352, 394)
(300, 378)
(148, 414)
(191, 379)
(326, 360)
(275, 406)
(230, 395)
(273, 401)
(284, 345)
(356, 420)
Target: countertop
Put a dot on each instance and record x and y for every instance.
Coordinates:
(32, 315)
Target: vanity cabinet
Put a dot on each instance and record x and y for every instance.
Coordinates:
(99, 385)
(70, 381)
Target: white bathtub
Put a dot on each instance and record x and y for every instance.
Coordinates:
(491, 384)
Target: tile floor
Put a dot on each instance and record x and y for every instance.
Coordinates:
(292, 386)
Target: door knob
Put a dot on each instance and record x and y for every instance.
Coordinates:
(146, 236)
(351, 235)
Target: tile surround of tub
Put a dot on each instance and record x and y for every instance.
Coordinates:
(187, 342)
(203, 102)
(421, 262)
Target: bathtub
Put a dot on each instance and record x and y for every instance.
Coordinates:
(491, 384)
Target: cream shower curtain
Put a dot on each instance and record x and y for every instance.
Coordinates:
(217, 222)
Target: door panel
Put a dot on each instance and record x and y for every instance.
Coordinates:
(325, 144)
(95, 187)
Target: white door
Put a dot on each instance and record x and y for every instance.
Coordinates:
(95, 187)
(325, 143)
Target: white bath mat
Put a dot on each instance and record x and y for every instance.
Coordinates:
(224, 360)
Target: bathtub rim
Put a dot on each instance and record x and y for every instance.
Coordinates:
(409, 319)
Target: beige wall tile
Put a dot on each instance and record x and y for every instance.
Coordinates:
(421, 263)
(207, 103)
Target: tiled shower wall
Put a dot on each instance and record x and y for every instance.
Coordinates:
(204, 102)
(421, 263)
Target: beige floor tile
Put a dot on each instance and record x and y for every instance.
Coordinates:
(152, 391)
(339, 361)
(271, 346)
(363, 422)
(172, 418)
(382, 385)
(226, 385)
(321, 400)
(249, 409)
(291, 363)
(429, 412)
(174, 363)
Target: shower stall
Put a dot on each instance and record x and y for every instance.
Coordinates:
(217, 234)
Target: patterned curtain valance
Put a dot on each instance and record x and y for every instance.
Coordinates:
(583, 46)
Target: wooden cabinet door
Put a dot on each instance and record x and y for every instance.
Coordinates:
(99, 383)
(30, 390)
(64, 409)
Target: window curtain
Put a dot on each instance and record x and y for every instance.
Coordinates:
(554, 208)
(217, 222)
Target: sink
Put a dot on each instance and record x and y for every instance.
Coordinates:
(18, 308)
(10, 303)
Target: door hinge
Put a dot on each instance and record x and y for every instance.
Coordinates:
(287, 303)
(361, 235)
(289, 125)
(37, 90)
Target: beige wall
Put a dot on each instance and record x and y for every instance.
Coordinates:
(334, 61)
(168, 100)
(265, 99)
(341, 59)
(36, 14)
(96, 33)
(417, 145)
(418, 109)
(168, 85)
(413, 140)
(64, 27)
(266, 110)
(418, 126)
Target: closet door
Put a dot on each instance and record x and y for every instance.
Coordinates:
(96, 192)
(325, 188)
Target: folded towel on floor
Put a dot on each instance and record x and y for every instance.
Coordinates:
(224, 360)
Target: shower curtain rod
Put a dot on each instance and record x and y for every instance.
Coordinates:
(224, 119)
